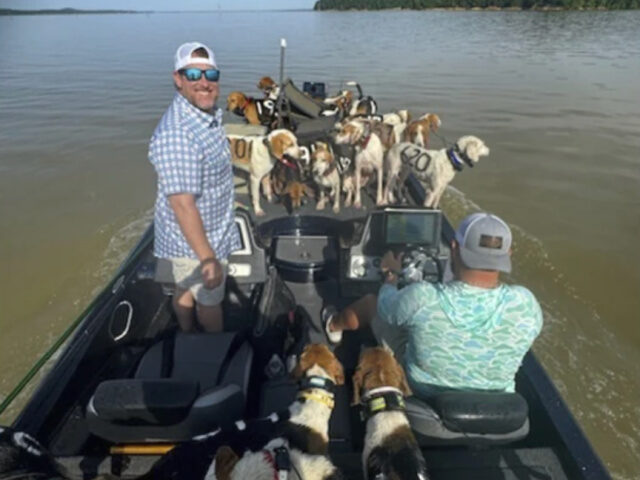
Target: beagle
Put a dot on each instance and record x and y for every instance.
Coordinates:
(256, 112)
(390, 449)
(326, 174)
(417, 132)
(433, 168)
(269, 87)
(302, 447)
(257, 155)
(368, 158)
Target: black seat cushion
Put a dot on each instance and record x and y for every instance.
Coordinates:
(468, 418)
(207, 386)
(481, 412)
(154, 402)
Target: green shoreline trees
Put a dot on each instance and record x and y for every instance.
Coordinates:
(521, 4)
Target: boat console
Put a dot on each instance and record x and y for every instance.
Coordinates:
(415, 233)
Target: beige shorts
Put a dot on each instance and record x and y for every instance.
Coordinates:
(184, 273)
(393, 336)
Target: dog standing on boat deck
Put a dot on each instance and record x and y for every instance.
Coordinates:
(390, 449)
(417, 132)
(326, 175)
(258, 154)
(305, 435)
(369, 155)
(269, 87)
(256, 112)
(433, 168)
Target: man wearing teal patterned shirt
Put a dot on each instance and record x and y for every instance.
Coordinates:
(471, 333)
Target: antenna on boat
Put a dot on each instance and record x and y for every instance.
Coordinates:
(283, 47)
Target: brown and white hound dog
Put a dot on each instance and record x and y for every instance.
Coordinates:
(304, 441)
(255, 111)
(257, 155)
(390, 449)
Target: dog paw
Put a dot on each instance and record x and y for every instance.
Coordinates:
(336, 209)
(357, 204)
(260, 213)
(320, 206)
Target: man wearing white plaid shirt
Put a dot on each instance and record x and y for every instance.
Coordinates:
(194, 215)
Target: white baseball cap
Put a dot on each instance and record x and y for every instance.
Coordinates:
(485, 242)
(184, 56)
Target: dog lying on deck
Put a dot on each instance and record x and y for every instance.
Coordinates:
(305, 437)
(390, 449)
(256, 112)
(433, 168)
(258, 154)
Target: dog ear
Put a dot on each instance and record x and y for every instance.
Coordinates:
(225, 460)
(357, 380)
(302, 365)
(277, 146)
(404, 384)
(337, 372)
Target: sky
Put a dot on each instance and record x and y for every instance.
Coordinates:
(159, 5)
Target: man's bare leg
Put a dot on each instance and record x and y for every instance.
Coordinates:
(356, 315)
(183, 306)
(210, 317)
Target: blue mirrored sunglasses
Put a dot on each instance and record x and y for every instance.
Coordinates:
(195, 74)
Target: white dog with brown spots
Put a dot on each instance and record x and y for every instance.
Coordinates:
(369, 155)
(433, 168)
(257, 155)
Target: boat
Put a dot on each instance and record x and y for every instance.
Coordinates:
(128, 387)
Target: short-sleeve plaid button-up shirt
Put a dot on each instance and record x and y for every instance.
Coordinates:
(190, 154)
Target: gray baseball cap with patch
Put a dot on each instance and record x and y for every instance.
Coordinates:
(485, 242)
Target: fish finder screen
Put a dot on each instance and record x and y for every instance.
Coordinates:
(414, 228)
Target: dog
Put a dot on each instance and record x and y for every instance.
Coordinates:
(342, 101)
(303, 442)
(390, 449)
(433, 168)
(256, 112)
(326, 174)
(417, 132)
(368, 158)
(287, 182)
(257, 155)
(269, 87)
(397, 118)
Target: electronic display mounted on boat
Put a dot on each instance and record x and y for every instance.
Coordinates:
(412, 227)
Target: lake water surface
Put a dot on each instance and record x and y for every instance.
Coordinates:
(555, 95)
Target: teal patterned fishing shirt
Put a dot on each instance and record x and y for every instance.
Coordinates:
(461, 336)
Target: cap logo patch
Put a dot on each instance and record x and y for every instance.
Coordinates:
(488, 241)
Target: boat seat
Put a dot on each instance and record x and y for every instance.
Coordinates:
(468, 418)
(184, 386)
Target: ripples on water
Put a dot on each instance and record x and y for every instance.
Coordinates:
(554, 95)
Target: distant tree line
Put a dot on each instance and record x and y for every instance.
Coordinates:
(524, 4)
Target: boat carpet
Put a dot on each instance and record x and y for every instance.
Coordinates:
(444, 464)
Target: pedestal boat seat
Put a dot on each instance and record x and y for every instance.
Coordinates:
(184, 386)
(469, 418)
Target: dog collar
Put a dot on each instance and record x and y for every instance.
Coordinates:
(455, 161)
(319, 396)
(386, 399)
(280, 461)
(316, 381)
(364, 142)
